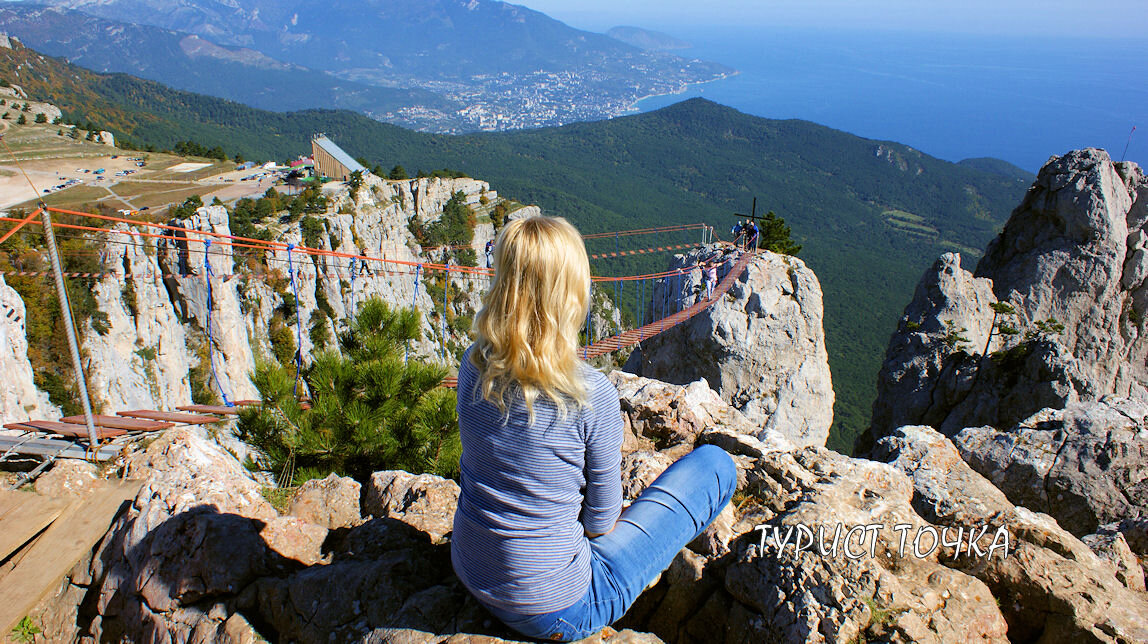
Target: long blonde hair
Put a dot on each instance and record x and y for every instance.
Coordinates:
(527, 330)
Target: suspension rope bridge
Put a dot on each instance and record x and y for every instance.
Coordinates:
(185, 240)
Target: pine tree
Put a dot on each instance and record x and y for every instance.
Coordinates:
(370, 410)
(775, 235)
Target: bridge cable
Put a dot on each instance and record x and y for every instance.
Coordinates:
(210, 336)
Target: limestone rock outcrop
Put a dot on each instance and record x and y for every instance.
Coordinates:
(1068, 272)
(142, 360)
(157, 335)
(761, 346)
(20, 399)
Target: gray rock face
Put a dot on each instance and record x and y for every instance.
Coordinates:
(1084, 465)
(68, 477)
(142, 361)
(425, 502)
(1071, 262)
(761, 346)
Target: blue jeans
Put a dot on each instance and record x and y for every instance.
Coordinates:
(670, 513)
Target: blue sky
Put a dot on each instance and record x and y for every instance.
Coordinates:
(1085, 18)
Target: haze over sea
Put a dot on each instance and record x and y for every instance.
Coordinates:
(954, 96)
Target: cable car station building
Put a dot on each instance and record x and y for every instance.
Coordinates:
(331, 161)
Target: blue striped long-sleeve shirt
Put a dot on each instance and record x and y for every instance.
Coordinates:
(531, 492)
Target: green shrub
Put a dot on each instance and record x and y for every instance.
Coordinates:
(312, 231)
(369, 411)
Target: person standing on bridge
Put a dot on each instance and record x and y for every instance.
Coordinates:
(709, 271)
(540, 538)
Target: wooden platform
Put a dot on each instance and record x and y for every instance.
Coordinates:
(40, 558)
(65, 429)
(119, 422)
(171, 417)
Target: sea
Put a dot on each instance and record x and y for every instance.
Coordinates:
(951, 96)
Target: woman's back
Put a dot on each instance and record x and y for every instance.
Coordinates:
(530, 492)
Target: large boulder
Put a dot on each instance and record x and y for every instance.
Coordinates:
(1067, 277)
(332, 502)
(425, 502)
(1051, 587)
(761, 346)
(1083, 465)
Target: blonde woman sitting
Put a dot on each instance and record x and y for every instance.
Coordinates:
(540, 537)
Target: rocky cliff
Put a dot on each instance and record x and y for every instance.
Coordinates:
(1029, 525)
(761, 346)
(201, 556)
(19, 397)
(1034, 367)
(1054, 313)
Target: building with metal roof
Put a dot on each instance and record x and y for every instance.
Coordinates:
(331, 161)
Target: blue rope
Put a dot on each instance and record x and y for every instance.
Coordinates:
(210, 339)
(298, 322)
(445, 290)
(641, 302)
(589, 341)
(414, 299)
(354, 274)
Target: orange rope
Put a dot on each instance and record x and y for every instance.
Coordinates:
(19, 225)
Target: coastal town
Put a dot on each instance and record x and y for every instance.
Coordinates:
(508, 101)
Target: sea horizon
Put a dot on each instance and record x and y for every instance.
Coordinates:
(952, 96)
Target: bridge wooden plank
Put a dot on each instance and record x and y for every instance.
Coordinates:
(171, 417)
(222, 410)
(65, 429)
(23, 515)
(118, 422)
(37, 568)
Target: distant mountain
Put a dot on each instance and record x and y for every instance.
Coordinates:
(645, 39)
(871, 215)
(189, 62)
(506, 66)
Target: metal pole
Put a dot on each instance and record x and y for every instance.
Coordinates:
(66, 312)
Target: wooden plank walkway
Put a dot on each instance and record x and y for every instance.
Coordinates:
(171, 417)
(119, 422)
(65, 429)
(35, 570)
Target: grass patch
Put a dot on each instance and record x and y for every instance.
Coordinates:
(279, 497)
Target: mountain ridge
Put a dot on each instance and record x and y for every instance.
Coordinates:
(498, 66)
